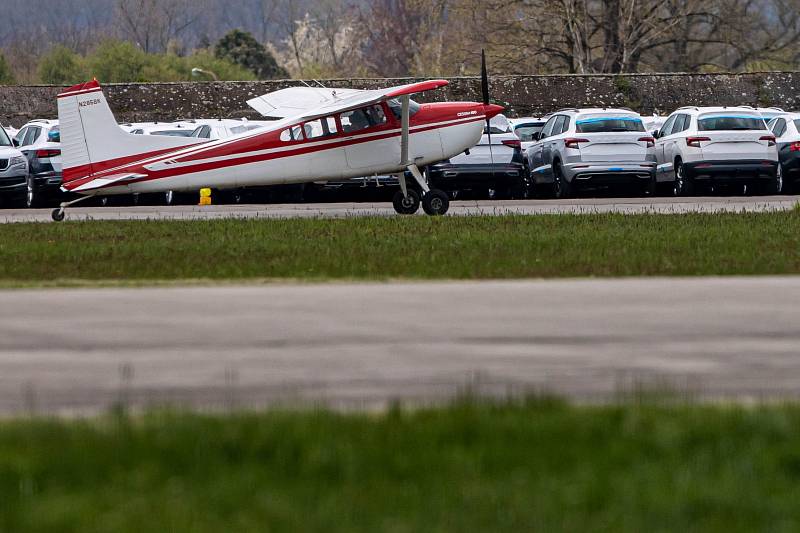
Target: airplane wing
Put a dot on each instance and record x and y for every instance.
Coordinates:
(296, 100)
(307, 103)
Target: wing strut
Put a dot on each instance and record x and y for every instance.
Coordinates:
(405, 119)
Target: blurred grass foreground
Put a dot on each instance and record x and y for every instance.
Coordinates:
(534, 465)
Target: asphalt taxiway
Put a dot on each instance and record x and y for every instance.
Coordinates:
(363, 345)
(483, 207)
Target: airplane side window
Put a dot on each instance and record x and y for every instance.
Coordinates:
(295, 133)
(354, 120)
(320, 128)
(375, 115)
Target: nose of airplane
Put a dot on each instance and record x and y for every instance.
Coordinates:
(491, 110)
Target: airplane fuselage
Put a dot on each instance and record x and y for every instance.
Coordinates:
(299, 152)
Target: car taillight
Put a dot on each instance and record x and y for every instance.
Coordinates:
(769, 138)
(695, 141)
(649, 140)
(47, 153)
(794, 147)
(513, 143)
(573, 143)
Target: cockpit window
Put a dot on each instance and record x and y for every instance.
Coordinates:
(354, 120)
(397, 108)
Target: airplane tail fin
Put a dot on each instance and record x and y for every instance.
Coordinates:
(91, 139)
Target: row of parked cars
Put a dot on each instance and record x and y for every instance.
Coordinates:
(742, 149)
(739, 149)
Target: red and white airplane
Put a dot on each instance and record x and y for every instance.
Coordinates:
(321, 134)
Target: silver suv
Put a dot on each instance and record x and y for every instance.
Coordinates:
(592, 148)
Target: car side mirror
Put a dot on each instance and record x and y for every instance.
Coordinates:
(15, 143)
(537, 136)
(656, 133)
(466, 152)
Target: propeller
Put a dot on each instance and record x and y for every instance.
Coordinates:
(485, 95)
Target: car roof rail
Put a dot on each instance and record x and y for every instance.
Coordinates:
(565, 109)
(689, 107)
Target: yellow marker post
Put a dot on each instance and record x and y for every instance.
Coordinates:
(205, 196)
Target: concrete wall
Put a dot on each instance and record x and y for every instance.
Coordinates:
(523, 95)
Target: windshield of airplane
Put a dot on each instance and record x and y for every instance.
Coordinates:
(4, 140)
(397, 107)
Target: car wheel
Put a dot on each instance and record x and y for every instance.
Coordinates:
(780, 186)
(561, 187)
(406, 205)
(683, 185)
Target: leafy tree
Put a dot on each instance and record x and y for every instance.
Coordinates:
(243, 49)
(118, 61)
(62, 66)
(6, 76)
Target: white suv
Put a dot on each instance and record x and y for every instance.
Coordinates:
(592, 148)
(710, 145)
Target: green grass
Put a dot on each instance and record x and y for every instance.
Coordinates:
(539, 465)
(401, 247)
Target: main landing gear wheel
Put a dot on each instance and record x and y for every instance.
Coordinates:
(406, 204)
(435, 202)
(58, 214)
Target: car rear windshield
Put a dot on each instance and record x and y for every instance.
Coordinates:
(608, 124)
(4, 140)
(525, 131)
(731, 122)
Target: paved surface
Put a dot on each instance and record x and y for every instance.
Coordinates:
(361, 345)
(581, 205)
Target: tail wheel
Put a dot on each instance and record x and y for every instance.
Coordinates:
(683, 186)
(561, 187)
(435, 202)
(406, 204)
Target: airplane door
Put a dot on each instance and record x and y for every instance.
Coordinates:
(365, 130)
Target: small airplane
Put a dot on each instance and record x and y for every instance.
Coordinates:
(321, 134)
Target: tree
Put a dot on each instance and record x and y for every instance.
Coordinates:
(243, 49)
(6, 77)
(61, 66)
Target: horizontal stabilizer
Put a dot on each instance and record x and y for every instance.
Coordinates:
(107, 181)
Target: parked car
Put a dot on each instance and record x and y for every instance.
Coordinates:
(787, 138)
(581, 148)
(13, 171)
(493, 167)
(525, 128)
(768, 113)
(170, 129)
(40, 142)
(653, 123)
(224, 128)
(716, 145)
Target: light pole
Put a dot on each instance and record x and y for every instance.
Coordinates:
(197, 71)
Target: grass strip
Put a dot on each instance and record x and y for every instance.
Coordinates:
(474, 247)
(537, 465)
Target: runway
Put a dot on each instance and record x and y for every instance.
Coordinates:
(362, 345)
(483, 207)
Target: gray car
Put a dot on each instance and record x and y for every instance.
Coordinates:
(582, 148)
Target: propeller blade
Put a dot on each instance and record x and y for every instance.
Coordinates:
(485, 94)
(484, 78)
